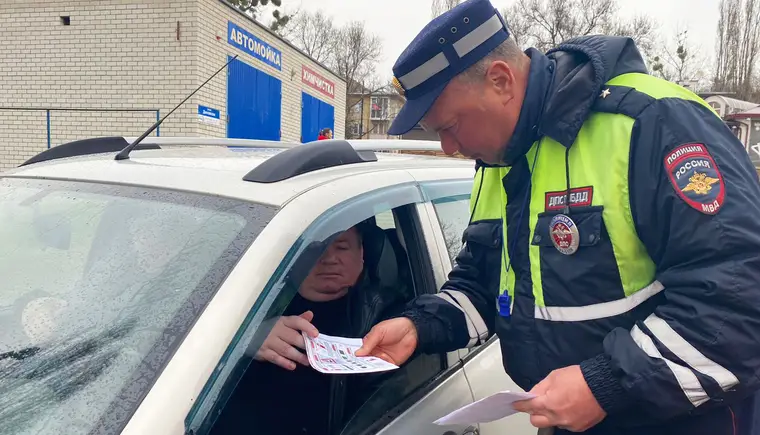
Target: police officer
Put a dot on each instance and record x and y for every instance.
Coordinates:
(626, 294)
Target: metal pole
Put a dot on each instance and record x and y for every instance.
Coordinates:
(158, 118)
(48, 127)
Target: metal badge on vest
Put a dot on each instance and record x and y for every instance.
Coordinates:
(564, 234)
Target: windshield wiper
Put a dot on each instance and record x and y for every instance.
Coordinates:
(19, 355)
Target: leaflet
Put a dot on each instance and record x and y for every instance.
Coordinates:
(336, 355)
(491, 408)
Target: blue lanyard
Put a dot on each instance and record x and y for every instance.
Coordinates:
(504, 302)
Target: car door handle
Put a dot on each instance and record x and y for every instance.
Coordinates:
(472, 430)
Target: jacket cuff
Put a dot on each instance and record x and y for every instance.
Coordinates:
(427, 341)
(604, 386)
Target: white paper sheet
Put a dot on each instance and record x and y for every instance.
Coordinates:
(328, 354)
(488, 409)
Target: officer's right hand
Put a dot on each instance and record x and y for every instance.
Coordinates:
(280, 346)
(392, 340)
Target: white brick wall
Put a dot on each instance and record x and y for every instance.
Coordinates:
(125, 54)
(115, 54)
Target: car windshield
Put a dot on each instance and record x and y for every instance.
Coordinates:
(99, 285)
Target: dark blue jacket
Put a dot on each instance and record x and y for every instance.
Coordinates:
(708, 263)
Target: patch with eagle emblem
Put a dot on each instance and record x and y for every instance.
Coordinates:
(695, 176)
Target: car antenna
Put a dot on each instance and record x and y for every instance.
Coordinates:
(124, 154)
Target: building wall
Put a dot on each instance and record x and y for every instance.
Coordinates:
(115, 54)
(370, 127)
(214, 49)
(140, 56)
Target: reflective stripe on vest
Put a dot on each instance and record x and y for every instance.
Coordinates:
(600, 310)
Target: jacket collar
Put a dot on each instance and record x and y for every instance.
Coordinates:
(528, 128)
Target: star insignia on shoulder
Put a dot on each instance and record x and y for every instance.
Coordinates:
(605, 93)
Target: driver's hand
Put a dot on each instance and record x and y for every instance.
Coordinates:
(392, 340)
(281, 345)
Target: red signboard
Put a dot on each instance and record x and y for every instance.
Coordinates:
(317, 82)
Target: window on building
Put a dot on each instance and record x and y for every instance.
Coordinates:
(381, 128)
(379, 107)
(355, 129)
(356, 110)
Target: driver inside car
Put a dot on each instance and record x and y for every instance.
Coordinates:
(344, 294)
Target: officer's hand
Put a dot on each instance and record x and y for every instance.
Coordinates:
(392, 340)
(280, 346)
(564, 400)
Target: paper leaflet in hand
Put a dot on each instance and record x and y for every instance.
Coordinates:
(491, 408)
(337, 355)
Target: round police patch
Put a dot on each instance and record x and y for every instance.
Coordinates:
(696, 178)
(564, 234)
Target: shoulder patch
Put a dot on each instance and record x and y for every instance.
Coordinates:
(696, 178)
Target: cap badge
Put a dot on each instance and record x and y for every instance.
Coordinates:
(397, 85)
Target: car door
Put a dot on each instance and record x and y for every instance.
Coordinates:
(420, 393)
(399, 406)
(482, 364)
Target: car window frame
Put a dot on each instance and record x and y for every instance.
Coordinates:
(337, 218)
(428, 224)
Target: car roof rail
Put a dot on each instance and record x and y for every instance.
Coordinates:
(395, 145)
(109, 144)
(306, 158)
(213, 141)
(84, 147)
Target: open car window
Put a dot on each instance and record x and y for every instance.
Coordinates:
(221, 391)
(100, 285)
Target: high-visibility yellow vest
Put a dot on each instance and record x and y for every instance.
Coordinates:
(599, 166)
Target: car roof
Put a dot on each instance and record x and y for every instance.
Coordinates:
(218, 166)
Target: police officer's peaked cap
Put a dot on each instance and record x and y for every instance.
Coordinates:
(448, 45)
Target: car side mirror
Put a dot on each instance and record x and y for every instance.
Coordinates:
(53, 230)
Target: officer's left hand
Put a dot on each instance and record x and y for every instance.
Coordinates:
(564, 400)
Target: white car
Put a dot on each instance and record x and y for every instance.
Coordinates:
(132, 289)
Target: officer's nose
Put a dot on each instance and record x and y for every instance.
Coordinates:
(449, 144)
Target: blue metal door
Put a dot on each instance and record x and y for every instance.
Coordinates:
(254, 103)
(315, 115)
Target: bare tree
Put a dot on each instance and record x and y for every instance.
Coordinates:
(355, 57)
(545, 24)
(357, 52)
(641, 28)
(438, 7)
(254, 8)
(315, 34)
(738, 47)
(676, 64)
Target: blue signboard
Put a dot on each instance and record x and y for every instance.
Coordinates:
(208, 115)
(244, 40)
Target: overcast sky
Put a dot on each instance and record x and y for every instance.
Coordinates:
(398, 21)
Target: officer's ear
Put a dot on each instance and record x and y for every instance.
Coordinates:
(501, 78)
